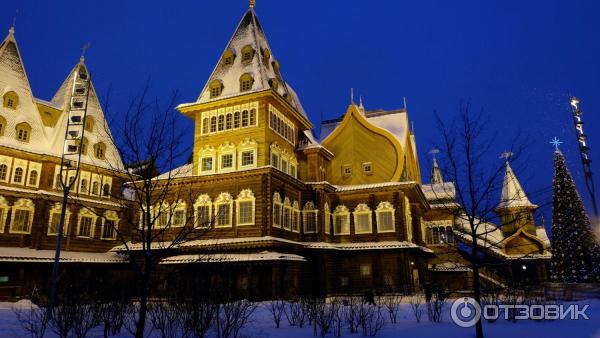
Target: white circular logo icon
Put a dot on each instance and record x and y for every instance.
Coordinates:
(465, 312)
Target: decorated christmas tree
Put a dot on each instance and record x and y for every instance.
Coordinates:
(575, 251)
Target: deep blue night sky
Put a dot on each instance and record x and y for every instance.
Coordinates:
(518, 60)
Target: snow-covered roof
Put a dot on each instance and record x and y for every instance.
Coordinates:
(233, 257)
(263, 66)
(439, 192)
(340, 188)
(48, 140)
(513, 195)
(185, 170)
(57, 193)
(219, 242)
(16, 254)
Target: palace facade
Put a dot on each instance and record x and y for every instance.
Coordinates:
(290, 213)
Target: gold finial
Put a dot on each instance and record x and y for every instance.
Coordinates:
(252, 3)
(85, 47)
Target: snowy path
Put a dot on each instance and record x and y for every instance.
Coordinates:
(262, 327)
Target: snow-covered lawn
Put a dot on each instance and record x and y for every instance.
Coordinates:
(262, 326)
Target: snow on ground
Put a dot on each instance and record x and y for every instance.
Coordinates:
(263, 327)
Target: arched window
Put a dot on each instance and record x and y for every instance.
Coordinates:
(245, 118)
(178, 212)
(33, 176)
(213, 124)
(205, 125)
(203, 211)
(100, 150)
(2, 125)
(246, 82)
(110, 225)
(247, 53)
(11, 100)
(295, 217)
(84, 186)
(106, 190)
(362, 219)
(236, 119)
(23, 130)
(54, 220)
(96, 188)
(86, 223)
(223, 210)
(228, 121)
(215, 87)
(22, 216)
(266, 54)
(18, 176)
(89, 123)
(310, 214)
(245, 207)
(277, 210)
(252, 117)
(384, 215)
(221, 122)
(287, 214)
(3, 172)
(341, 220)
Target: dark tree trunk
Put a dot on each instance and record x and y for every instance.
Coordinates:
(476, 282)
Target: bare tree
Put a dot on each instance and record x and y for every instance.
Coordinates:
(477, 181)
(148, 138)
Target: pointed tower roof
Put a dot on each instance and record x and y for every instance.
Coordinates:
(513, 195)
(262, 65)
(436, 174)
(100, 131)
(13, 78)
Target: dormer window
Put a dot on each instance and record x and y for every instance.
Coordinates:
(246, 82)
(228, 57)
(266, 54)
(275, 65)
(89, 123)
(23, 132)
(215, 87)
(11, 100)
(100, 150)
(274, 83)
(2, 125)
(247, 53)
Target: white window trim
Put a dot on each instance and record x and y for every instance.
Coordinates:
(37, 167)
(57, 209)
(277, 202)
(245, 195)
(110, 216)
(224, 199)
(178, 206)
(23, 166)
(229, 110)
(8, 162)
(86, 213)
(203, 201)
(381, 208)
(327, 223)
(245, 146)
(5, 208)
(362, 209)
(22, 204)
(227, 149)
(341, 210)
(287, 209)
(296, 217)
(207, 152)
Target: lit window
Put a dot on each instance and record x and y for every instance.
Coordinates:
(365, 270)
(341, 220)
(207, 163)
(362, 219)
(247, 158)
(227, 161)
(18, 177)
(246, 82)
(33, 176)
(385, 217)
(245, 207)
(3, 172)
(85, 226)
(310, 218)
(223, 209)
(21, 221)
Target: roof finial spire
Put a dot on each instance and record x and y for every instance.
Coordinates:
(252, 3)
(436, 174)
(352, 95)
(85, 47)
(404, 103)
(11, 30)
(506, 155)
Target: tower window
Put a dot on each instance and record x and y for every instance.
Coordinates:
(247, 158)
(215, 87)
(11, 100)
(236, 119)
(246, 82)
(245, 118)
(367, 168)
(100, 150)
(247, 53)
(89, 123)
(213, 124)
(346, 170)
(23, 132)
(228, 121)
(227, 161)
(228, 57)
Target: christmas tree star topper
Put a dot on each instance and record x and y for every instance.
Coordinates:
(556, 142)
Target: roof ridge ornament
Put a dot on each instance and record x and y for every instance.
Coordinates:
(506, 155)
(85, 47)
(11, 30)
(252, 3)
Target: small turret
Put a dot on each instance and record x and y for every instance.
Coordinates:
(515, 209)
(436, 174)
